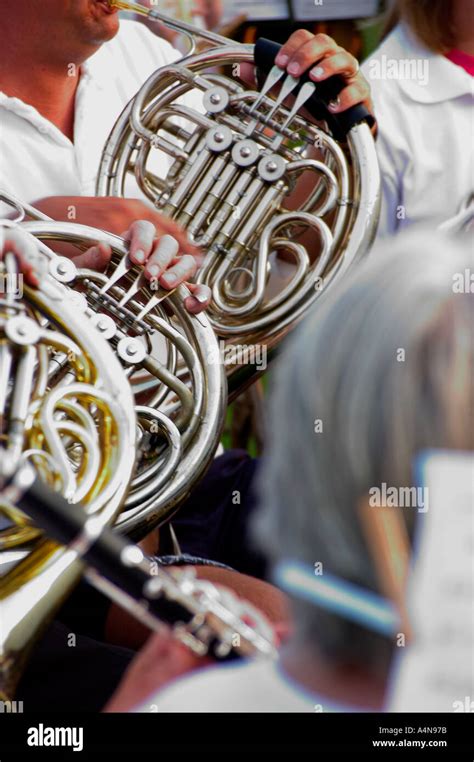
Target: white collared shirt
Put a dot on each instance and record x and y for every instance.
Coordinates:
(38, 160)
(425, 139)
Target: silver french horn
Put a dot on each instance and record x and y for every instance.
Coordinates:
(233, 169)
(67, 411)
(68, 426)
(170, 358)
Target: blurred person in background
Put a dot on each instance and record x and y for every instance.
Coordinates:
(377, 413)
(422, 84)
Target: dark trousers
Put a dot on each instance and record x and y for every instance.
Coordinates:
(214, 521)
(66, 675)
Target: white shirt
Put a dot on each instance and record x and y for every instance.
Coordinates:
(251, 686)
(425, 140)
(38, 160)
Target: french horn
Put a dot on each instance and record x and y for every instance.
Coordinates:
(233, 169)
(67, 412)
(67, 456)
(170, 358)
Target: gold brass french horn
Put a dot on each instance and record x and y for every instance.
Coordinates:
(281, 206)
(68, 429)
(66, 408)
(170, 357)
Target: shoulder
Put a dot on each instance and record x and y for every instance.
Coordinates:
(123, 64)
(403, 71)
(137, 34)
(377, 67)
(400, 43)
(136, 48)
(249, 686)
(227, 688)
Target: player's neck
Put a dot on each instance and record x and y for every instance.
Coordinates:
(50, 88)
(465, 45)
(344, 686)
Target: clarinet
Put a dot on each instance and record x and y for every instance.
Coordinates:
(193, 609)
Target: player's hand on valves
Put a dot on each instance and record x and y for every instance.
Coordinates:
(325, 58)
(163, 262)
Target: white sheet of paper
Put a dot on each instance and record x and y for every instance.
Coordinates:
(257, 10)
(436, 672)
(322, 10)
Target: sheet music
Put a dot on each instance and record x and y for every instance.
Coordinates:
(322, 10)
(256, 10)
(436, 672)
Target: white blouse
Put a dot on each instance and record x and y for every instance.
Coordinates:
(424, 107)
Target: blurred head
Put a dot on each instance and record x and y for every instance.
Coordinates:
(70, 30)
(437, 24)
(386, 366)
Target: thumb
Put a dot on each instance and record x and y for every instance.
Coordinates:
(200, 299)
(282, 632)
(95, 258)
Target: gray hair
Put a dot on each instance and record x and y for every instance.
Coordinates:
(385, 364)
